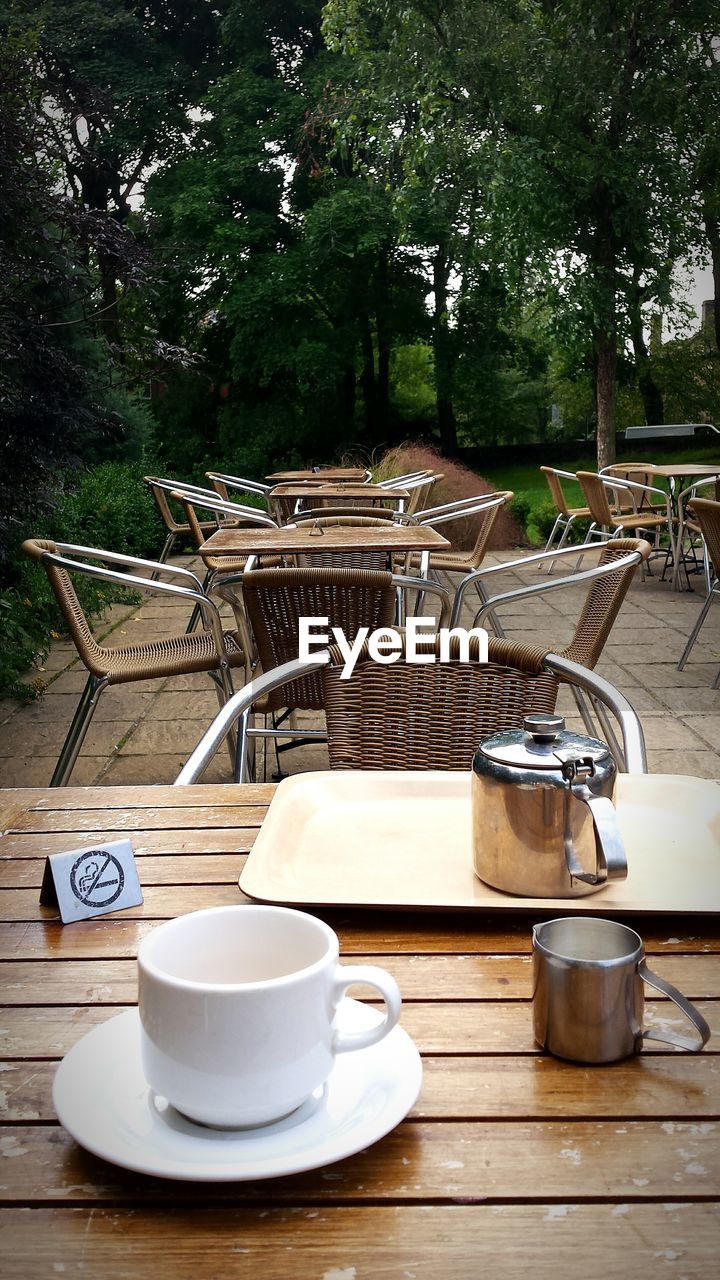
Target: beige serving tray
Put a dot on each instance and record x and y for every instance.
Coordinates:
(403, 840)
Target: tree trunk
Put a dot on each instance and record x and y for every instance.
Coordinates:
(347, 398)
(108, 319)
(367, 378)
(443, 352)
(712, 227)
(606, 373)
(649, 390)
(383, 348)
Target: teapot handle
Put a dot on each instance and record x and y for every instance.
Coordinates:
(610, 850)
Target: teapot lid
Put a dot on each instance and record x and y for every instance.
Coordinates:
(542, 743)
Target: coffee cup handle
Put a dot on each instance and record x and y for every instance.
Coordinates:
(349, 975)
(668, 1037)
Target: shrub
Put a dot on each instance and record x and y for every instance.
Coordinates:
(110, 508)
(457, 481)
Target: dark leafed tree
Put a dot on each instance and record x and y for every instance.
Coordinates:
(118, 79)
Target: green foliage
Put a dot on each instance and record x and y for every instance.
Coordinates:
(110, 508)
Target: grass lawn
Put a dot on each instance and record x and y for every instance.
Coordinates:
(528, 482)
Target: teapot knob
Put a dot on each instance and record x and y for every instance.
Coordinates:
(542, 726)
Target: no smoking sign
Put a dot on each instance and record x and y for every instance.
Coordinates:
(89, 882)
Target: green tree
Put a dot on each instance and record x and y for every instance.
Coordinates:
(567, 115)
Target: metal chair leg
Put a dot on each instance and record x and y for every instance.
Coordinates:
(169, 544)
(195, 615)
(694, 633)
(78, 728)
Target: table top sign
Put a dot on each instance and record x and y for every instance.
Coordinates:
(90, 882)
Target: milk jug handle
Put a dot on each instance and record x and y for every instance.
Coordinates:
(669, 1037)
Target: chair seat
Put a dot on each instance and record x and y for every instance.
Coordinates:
(193, 651)
(450, 561)
(579, 513)
(640, 520)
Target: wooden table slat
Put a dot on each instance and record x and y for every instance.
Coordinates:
(510, 1164)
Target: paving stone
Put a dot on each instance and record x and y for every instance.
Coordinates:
(698, 764)
(164, 737)
(687, 702)
(186, 705)
(669, 733)
(706, 727)
(664, 675)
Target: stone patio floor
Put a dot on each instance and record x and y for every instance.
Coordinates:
(143, 733)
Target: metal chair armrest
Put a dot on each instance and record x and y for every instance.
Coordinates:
(555, 584)
(213, 502)
(471, 579)
(631, 728)
(439, 515)
(237, 706)
(424, 586)
(117, 557)
(238, 482)
(171, 485)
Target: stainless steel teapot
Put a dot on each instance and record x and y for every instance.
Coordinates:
(544, 825)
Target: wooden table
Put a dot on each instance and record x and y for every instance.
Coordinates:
(319, 476)
(301, 538)
(285, 498)
(341, 492)
(511, 1164)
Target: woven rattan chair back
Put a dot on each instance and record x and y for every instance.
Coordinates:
(603, 602)
(89, 651)
(485, 530)
(707, 514)
(210, 650)
(434, 715)
(420, 494)
(556, 490)
(275, 600)
(596, 496)
(174, 528)
(377, 560)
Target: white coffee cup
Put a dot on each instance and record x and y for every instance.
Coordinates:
(237, 1008)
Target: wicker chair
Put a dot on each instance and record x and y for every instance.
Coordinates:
(608, 584)
(566, 515)
(211, 649)
(608, 522)
(485, 505)
(707, 514)
(276, 599)
(431, 716)
(688, 529)
(347, 559)
(161, 489)
(222, 483)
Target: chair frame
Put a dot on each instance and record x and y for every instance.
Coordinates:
(566, 515)
(159, 488)
(623, 564)
(239, 706)
(682, 501)
(301, 737)
(700, 506)
(63, 557)
(614, 524)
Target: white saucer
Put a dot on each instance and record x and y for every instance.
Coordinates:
(103, 1100)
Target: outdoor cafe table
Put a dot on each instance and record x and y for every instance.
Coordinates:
(323, 474)
(302, 538)
(511, 1164)
(342, 492)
